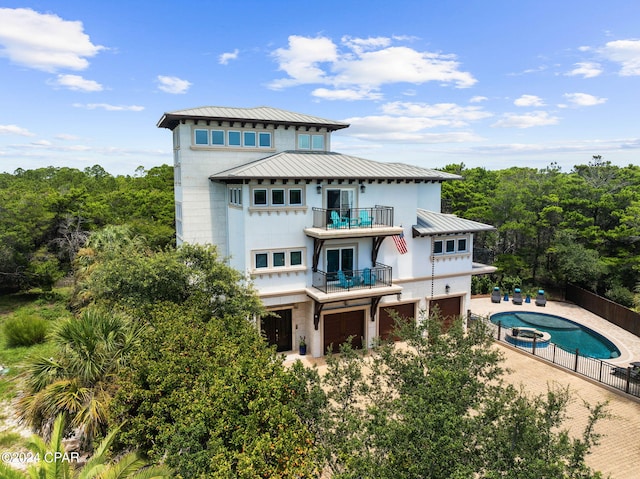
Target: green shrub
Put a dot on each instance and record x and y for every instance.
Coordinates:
(621, 295)
(25, 329)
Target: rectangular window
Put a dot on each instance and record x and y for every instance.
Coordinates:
(295, 258)
(278, 259)
(304, 142)
(462, 244)
(277, 197)
(249, 138)
(217, 137)
(437, 247)
(261, 260)
(260, 197)
(451, 246)
(295, 197)
(235, 195)
(233, 138)
(340, 260)
(264, 139)
(202, 137)
(317, 142)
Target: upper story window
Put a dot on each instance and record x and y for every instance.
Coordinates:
(235, 195)
(307, 141)
(451, 246)
(280, 259)
(232, 138)
(278, 196)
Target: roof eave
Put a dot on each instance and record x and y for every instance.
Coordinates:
(171, 120)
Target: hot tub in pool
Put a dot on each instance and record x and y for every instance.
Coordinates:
(565, 333)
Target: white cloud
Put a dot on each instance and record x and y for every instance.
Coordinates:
(529, 100)
(346, 94)
(586, 70)
(225, 58)
(528, 120)
(108, 107)
(76, 82)
(452, 114)
(15, 130)
(173, 84)
(625, 52)
(44, 41)
(66, 137)
(362, 65)
(478, 99)
(583, 99)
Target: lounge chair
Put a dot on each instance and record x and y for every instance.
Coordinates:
(337, 222)
(541, 300)
(344, 282)
(496, 296)
(368, 277)
(364, 219)
(634, 372)
(517, 296)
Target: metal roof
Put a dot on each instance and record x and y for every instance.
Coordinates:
(328, 165)
(431, 223)
(261, 114)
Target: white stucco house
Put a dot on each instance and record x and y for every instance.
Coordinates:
(332, 242)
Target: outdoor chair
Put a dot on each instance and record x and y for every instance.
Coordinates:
(621, 371)
(337, 222)
(517, 296)
(343, 281)
(364, 219)
(496, 296)
(541, 300)
(368, 277)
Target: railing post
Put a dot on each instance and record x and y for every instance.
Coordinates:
(499, 329)
(575, 367)
(626, 389)
(533, 347)
(553, 360)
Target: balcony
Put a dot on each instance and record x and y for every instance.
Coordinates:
(352, 222)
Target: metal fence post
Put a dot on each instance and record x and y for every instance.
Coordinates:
(575, 368)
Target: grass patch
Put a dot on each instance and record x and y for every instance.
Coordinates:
(11, 440)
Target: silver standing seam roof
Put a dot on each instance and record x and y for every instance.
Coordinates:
(431, 223)
(261, 114)
(328, 165)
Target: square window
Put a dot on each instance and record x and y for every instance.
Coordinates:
(451, 246)
(249, 138)
(437, 247)
(317, 142)
(277, 197)
(261, 260)
(462, 244)
(202, 137)
(304, 142)
(260, 197)
(217, 137)
(295, 258)
(264, 140)
(295, 197)
(234, 138)
(278, 259)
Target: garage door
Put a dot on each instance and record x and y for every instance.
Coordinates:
(339, 326)
(449, 310)
(386, 321)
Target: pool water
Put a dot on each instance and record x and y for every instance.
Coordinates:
(564, 333)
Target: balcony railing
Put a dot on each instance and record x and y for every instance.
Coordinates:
(341, 281)
(346, 218)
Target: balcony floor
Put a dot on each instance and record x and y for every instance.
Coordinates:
(355, 232)
(354, 293)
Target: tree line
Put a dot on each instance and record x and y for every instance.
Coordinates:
(552, 227)
(47, 214)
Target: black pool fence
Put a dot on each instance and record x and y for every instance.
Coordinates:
(625, 379)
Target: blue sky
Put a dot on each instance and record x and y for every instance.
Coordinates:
(484, 83)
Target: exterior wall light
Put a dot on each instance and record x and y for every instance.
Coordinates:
(447, 288)
(362, 187)
(319, 189)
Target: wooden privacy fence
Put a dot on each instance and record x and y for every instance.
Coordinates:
(612, 312)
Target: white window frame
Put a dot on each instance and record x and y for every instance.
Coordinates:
(244, 138)
(224, 137)
(264, 134)
(266, 197)
(195, 136)
(456, 245)
(271, 255)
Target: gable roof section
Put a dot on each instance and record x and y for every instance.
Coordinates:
(328, 165)
(261, 114)
(431, 223)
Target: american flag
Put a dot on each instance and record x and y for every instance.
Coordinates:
(401, 243)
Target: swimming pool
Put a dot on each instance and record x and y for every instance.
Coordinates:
(564, 333)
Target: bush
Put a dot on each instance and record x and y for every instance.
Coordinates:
(621, 295)
(25, 329)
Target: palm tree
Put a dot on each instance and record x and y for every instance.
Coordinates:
(80, 380)
(56, 463)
